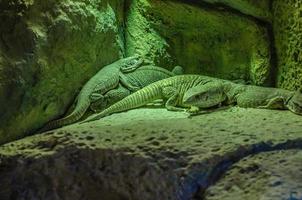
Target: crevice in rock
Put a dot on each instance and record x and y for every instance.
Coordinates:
(271, 3)
(127, 4)
(3, 42)
(124, 27)
(274, 58)
(196, 183)
(222, 7)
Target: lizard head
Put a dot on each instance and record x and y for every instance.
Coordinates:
(205, 96)
(294, 104)
(132, 62)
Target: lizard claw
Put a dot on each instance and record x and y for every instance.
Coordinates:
(96, 96)
(193, 110)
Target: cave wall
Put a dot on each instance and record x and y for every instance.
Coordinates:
(258, 9)
(205, 38)
(48, 50)
(288, 36)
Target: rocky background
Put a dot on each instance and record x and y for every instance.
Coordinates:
(203, 37)
(156, 154)
(49, 49)
(287, 31)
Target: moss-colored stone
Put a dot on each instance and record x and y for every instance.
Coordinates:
(268, 175)
(153, 154)
(258, 9)
(288, 36)
(48, 50)
(202, 39)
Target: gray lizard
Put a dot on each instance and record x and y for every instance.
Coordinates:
(106, 79)
(225, 92)
(138, 79)
(171, 89)
(174, 90)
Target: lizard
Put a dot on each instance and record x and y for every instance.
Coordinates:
(177, 91)
(104, 80)
(225, 92)
(139, 78)
(170, 89)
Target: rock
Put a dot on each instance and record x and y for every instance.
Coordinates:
(257, 9)
(267, 175)
(154, 154)
(203, 38)
(48, 50)
(288, 36)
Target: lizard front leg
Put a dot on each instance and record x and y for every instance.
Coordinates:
(111, 97)
(127, 84)
(193, 110)
(96, 97)
(116, 95)
(97, 101)
(172, 95)
(274, 103)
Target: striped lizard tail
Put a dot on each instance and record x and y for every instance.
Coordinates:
(135, 100)
(79, 111)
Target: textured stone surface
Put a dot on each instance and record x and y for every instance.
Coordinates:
(48, 50)
(203, 39)
(269, 175)
(288, 34)
(258, 9)
(150, 154)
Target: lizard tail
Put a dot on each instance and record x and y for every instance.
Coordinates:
(178, 70)
(135, 100)
(81, 107)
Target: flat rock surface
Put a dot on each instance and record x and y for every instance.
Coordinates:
(156, 154)
(268, 175)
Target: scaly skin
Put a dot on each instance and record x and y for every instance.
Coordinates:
(177, 90)
(106, 79)
(139, 78)
(172, 89)
(219, 91)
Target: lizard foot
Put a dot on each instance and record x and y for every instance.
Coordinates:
(193, 110)
(96, 97)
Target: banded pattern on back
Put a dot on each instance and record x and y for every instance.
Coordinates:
(180, 83)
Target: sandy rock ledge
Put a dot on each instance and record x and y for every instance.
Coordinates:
(156, 154)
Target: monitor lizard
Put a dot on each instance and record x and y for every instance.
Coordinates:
(106, 79)
(174, 90)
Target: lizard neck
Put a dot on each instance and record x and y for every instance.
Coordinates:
(232, 90)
